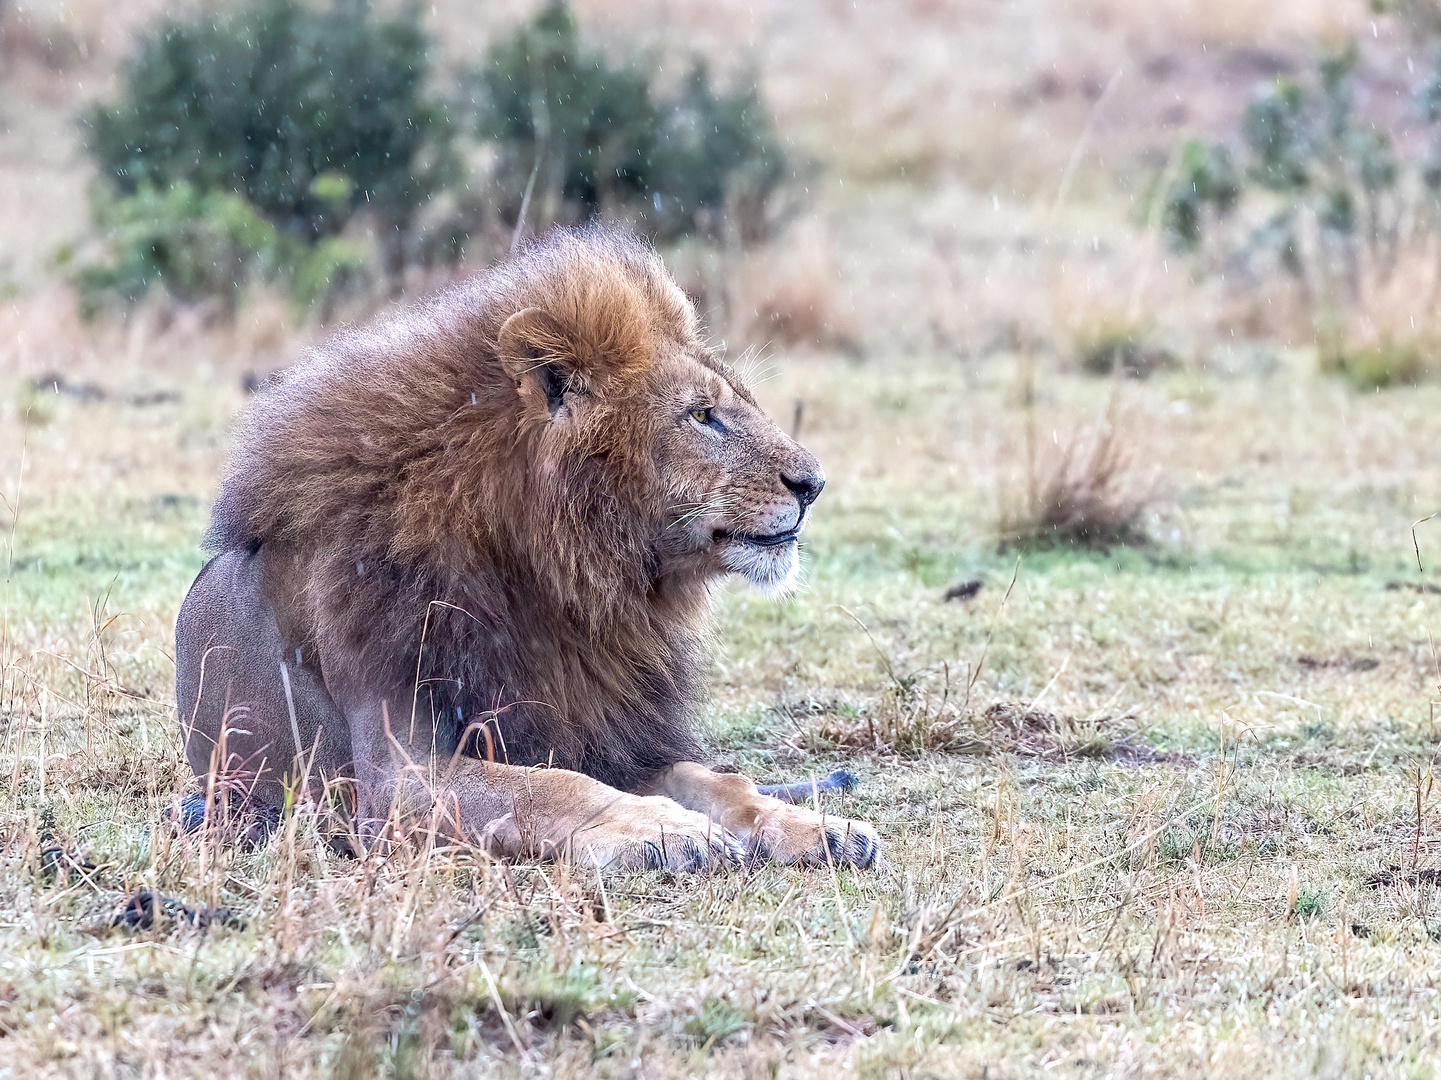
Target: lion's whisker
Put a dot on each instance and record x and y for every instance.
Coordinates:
(714, 504)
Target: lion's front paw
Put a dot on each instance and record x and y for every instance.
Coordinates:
(798, 834)
(654, 833)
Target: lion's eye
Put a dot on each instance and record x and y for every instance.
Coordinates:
(700, 416)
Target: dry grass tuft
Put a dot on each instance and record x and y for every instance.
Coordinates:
(913, 716)
(900, 721)
(1091, 498)
(790, 296)
(1011, 727)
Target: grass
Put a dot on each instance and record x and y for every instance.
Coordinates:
(1160, 810)
(1153, 810)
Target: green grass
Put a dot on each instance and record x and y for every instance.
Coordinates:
(1214, 863)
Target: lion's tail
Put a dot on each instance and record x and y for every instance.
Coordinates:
(807, 790)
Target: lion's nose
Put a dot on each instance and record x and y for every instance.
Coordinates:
(805, 488)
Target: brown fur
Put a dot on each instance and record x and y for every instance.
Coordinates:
(489, 521)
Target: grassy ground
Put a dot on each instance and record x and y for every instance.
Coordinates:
(1162, 811)
(1197, 838)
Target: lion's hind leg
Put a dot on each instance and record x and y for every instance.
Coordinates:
(243, 693)
(781, 830)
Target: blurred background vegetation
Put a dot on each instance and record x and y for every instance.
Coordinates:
(1186, 186)
(246, 145)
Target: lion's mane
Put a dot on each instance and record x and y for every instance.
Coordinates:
(431, 541)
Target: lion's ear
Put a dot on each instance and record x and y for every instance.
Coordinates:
(540, 356)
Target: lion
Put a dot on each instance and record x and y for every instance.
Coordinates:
(463, 561)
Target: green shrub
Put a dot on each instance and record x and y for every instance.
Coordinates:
(309, 113)
(1309, 904)
(1206, 176)
(1336, 188)
(1111, 347)
(326, 268)
(716, 1021)
(196, 245)
(714, 152)
(241, 144)
(193, 244)
(540, 93)
(589, 136)
(1375, 367)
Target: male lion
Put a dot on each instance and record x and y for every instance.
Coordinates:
(464, 560)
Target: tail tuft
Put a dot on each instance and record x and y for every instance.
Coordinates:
(841, 780)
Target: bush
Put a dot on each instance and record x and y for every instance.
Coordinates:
(1206, 177)
(1392, 362)
(714, 152)
(1342, 199)
(241, 145)
(196, 245)
(1345, 205)
(587, 136)
(309, 114)
(557, 108)
(1121, 347)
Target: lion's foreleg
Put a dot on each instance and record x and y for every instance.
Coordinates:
(792, 834)
(513, 811)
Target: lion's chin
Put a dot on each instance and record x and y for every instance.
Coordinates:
(773, 569)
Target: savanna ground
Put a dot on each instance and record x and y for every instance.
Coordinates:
(1161, 810)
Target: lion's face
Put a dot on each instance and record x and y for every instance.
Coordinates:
(613, 376)
(739, 490)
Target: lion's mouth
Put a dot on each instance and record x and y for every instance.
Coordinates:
(772, 540)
